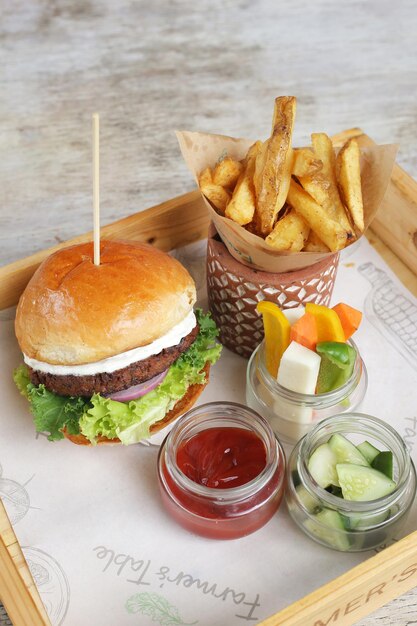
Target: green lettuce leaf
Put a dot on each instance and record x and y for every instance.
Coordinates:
(129, 421)
(51, 412)
(22, 380)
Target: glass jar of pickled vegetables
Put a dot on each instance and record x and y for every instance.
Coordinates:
(350, 483)
(221, 471)
(292, 414)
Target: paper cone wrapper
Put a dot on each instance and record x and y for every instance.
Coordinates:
(201, 150)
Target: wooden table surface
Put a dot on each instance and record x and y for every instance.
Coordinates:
(152, 67)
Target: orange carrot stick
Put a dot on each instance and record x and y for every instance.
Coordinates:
(350, 318)
(304, 331)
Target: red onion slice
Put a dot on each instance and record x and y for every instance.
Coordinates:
(137, 391)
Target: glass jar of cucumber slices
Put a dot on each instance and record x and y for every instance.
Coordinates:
(292, 414)
(351, 483)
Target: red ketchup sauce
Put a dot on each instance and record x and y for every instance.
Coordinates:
(222, 482)
(222, 458)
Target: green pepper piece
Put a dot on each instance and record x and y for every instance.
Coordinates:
(337, 362)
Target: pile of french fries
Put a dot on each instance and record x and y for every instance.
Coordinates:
(302, 199)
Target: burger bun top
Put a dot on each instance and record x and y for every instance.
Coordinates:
(74, 312)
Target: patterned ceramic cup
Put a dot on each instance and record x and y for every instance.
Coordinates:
(234, 290)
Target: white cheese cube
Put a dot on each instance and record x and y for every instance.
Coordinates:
(293, 315)
(299, 369)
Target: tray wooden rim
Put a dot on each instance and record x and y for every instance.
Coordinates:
(361, 589)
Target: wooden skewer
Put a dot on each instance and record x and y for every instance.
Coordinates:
(96, 191)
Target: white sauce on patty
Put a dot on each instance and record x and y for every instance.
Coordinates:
(119, 361)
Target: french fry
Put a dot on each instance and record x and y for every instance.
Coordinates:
(227, 172)
(217, 195)
(323, 147)
(305, 162)
(241, 207)
(274, 164)
(329, 231)
(289, 233)
(206, 177)
(315, 244)
(348, 171)
(322, 186)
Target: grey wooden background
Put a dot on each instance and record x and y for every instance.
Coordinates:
(150, 67)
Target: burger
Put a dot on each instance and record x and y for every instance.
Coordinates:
(112, 352)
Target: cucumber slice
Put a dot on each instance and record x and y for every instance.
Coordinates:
(356, 521)
(368, 451)
(383, 462)
(309, 502)
(322, 466)
(345, 451)
(328, 527)
(362, 484)
(295, 478)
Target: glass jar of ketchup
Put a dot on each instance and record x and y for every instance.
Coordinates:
(221, 471)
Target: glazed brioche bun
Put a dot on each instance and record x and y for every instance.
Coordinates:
(186, 402)
(73, 312)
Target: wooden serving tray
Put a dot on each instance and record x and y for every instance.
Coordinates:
(181, 221)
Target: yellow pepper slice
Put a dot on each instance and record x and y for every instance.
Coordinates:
(277, 334)
(329, 327)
